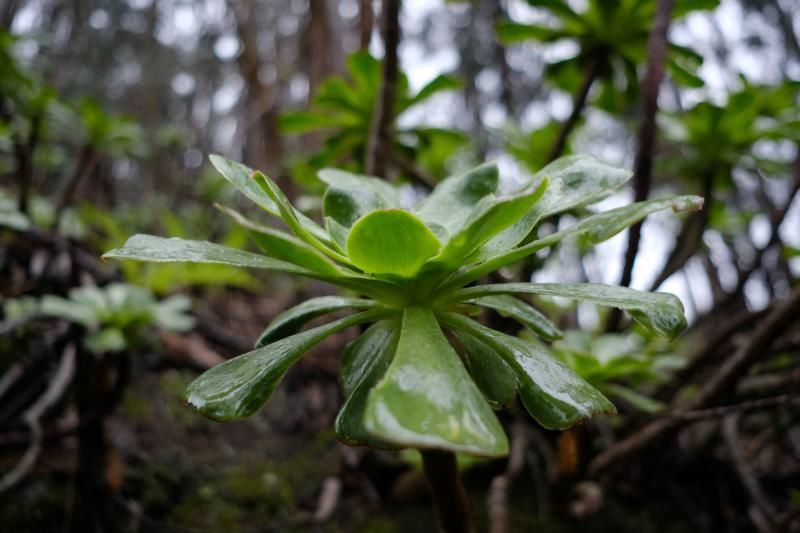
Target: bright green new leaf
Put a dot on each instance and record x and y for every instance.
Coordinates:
(426, 399)
(391, 241)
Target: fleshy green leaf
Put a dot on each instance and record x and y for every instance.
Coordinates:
(523, 313)
(282, 246)
(364, 363)
(292, 320)
(659, 312)
(238, 387)
(574, 181)
(391, 241)
(426, 399)
(337, 232)
(552, 393)
(452, 201)
(163, 250)
(351, 196)
(594, 229)
(301, 225)
(491, 216)
(240, 177)
(489, 371)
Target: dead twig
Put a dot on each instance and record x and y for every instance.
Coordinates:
(328, 499)
(497, 499)
(777, 320)
(728, 410)
(730, 433)
(58, 384)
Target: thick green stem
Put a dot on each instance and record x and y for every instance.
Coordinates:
(449, 498)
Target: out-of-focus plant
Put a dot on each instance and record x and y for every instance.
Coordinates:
(612, 40)
(116, 317)
(714, 139)
(619, 365)
(406, 386)
(112, 229)
(342, 110)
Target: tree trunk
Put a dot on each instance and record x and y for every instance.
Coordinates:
(379, 144)
(578, 104)
(263, 146)
(643, 166)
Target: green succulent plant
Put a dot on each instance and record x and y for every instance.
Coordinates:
(115, 316)
(409, 270)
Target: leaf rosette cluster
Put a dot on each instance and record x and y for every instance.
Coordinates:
(425, 373)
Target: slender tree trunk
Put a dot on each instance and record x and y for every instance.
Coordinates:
(325, 49)
(643, 166)
(8, 9)
(690, 237)
(264, 147)
(25, 161)
(379, 145)
(89, 512)
(366, 20)
(578, 104)
(449, 498)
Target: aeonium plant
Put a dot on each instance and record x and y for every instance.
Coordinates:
(411, 274)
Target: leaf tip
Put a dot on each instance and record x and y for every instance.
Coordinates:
(687, 203)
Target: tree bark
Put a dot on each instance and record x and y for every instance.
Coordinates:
(379, 143)
(643, 166)
(263, 146)
(579, 100)
(366, 20)
(325, 53)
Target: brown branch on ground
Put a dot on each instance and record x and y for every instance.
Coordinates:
(497, 499)
(55, 389)
(726, 410)
(783, 315)
(379, 143)
(763, 514)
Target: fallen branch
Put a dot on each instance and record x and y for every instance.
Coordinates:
(781, 317)
(728, 410)
(58, 384)
(497, 498)
(730, 433)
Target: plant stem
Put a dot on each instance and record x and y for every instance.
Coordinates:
(643, 166)
(449, 498)
(578, 104)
